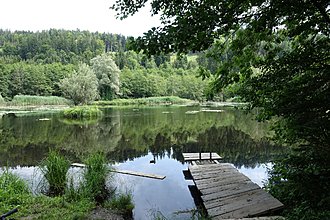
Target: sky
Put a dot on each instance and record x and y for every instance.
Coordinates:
(92, 15)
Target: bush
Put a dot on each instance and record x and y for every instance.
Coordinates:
(95, 176)
(54, 169)
(82, 112)
(123, 203)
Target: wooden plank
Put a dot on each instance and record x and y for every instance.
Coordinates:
(224, 205)
(225, 182)
(212, 169)
(202, 156)
(259, 207)
(128, 172)
(228, 200)
(229, 192)
(214, 174)
(244, 207)
(134, 173)
(221, 188)
(221, 180)
(197, 168)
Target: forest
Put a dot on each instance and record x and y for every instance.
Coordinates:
(48, 63)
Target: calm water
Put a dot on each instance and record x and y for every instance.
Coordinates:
(132, 137)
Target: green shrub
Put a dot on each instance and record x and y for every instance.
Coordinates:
(54, 168)
(23, 100)
(123, 203)
(82, 112)
(95, 177)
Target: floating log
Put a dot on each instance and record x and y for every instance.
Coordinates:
(127, 172)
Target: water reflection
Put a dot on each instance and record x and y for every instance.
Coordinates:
(131, 138)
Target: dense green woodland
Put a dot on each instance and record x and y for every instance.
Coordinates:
(58, 46)
(48, 63)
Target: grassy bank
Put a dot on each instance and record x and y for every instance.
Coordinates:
(166, 100)
(69, 201)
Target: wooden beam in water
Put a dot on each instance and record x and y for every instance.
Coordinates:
(127, 172)
(134, 173)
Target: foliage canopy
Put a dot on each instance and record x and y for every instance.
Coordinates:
(81, 86)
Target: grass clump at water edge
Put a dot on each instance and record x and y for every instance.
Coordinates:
(95, 178)
(55, 168)
(82, 112)
(123, 203)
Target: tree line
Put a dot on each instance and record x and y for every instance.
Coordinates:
(49, 63)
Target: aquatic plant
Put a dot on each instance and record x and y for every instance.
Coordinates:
(82, 112)
(54, 168)
(123, 203)
(95, 177)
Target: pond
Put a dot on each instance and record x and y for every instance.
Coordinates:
(144, 139)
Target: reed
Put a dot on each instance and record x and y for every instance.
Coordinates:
(54, 168)
(29, 100)
(123, 203)
(95, 178)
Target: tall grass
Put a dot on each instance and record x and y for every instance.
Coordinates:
(165, 100)
(54, 168)
(124, 204)
(95, 178)
(13, 191)
(82, 112)
(28, 100)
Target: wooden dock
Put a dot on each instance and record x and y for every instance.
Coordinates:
(228, 194)
(200, 156)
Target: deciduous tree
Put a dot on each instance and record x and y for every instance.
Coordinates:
(107, 74)
(81, 87)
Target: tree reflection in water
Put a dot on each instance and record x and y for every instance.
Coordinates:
(124, 134)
